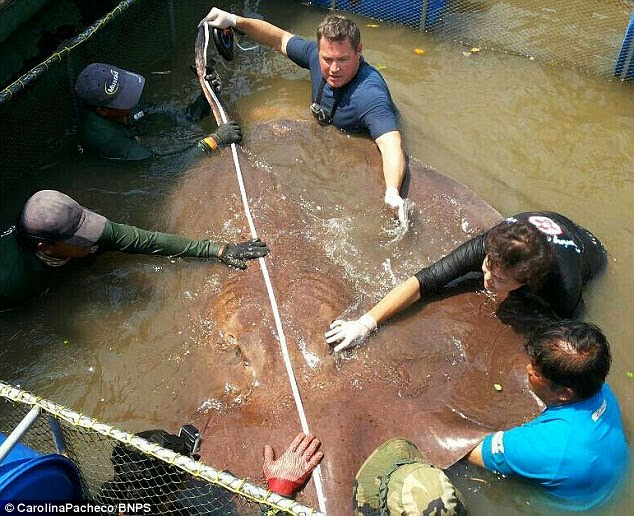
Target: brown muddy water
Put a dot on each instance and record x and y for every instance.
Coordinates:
(521, 134)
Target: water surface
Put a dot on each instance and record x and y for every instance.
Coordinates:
(522, 134)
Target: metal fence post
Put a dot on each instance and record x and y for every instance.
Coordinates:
(19, 431)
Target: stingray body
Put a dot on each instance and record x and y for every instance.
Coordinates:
(433, 374)
(429, 375)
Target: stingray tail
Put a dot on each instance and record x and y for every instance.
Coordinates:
(202, 70)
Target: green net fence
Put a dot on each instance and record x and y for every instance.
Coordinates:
(38, 112)
(120, 468)
(583, 34)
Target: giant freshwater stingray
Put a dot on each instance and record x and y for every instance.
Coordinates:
(444, 373)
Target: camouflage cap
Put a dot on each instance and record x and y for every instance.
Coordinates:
(394, 480)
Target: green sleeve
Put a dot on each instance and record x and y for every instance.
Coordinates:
(110, 140)
(133, 240)
(193, 151)
(126, 149)
(194, 112)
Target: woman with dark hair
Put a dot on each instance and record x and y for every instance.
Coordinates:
(542, 252)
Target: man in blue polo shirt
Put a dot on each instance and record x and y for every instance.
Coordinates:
(576, 448)
(345, 90)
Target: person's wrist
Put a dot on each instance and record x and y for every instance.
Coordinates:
(392, 196)
(210, 142)
(368, 321)
(233, 20)
(390, 191)
(283, 486)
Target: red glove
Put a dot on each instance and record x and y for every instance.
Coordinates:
(287, 474)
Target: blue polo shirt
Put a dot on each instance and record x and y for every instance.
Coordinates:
(365, 104)
(577, 452)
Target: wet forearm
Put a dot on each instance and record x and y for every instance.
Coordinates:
(264, 33)
(392, 158)
(399, 298)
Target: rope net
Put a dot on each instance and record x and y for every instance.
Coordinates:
(121, 468)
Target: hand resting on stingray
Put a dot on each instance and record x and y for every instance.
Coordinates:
(540, 253)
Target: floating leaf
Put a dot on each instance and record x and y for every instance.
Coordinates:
(475, 50)
(381, 67)
(66, 342)
(373, 25)
(629, 374)
(497, 387)
(419, 51)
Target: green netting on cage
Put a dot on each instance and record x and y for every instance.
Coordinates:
(38, 112)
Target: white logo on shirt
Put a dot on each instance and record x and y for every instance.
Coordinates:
(599, 412)
(497, 443)
(545, 225)
(549, 227)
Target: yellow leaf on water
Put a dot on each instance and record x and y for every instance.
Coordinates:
(475, 49)
(373, 25)
(629, 374)
(497, 387)
(381, 67)
(419, 51)
(65, 342)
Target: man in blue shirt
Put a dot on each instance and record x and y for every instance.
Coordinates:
(346, 91)
(576, 448)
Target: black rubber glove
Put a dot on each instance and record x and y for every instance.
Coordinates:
(235, 255)
(211, 76)
(226, 134)
(198, 109)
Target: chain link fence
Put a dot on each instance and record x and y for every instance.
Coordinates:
(583, 34)
(116, 467)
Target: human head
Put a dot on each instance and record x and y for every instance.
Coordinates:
(339, 43)
(395, 480)
(106, 86)
(516, 251)
(55, 224)
(572, 357)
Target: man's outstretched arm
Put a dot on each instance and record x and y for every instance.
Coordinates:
(390, 145)
(261, 31)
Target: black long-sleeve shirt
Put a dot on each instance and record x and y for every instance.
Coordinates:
(577, 256)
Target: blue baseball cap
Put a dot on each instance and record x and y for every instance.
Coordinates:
(106, 85)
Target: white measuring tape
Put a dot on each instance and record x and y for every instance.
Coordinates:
(269, 288)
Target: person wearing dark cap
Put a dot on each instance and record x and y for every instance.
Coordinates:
(395, 480)
(53, 229)
(112, 116)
